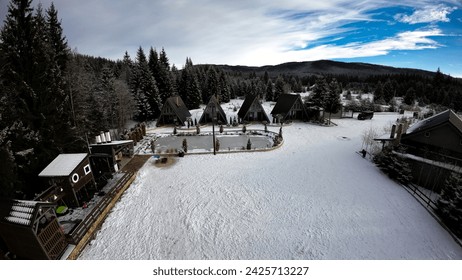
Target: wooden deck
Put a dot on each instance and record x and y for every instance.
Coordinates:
(136, 163)
(87, 229)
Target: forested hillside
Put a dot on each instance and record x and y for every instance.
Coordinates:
(53, 99)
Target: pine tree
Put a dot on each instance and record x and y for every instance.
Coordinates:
(332, 102)
(224, 88)
(213, 87)
(33, 55)
(189, 89)
(388, 91)
(160, 69)
(266, 77)
(59, 47)
(450, 203)
(279, 88)
(144, 89)
(269, 91)
(410, 96)
(321, 89)
(153, 62)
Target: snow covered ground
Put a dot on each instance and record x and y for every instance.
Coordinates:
(313, 198)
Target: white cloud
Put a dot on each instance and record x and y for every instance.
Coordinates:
(253, 32)
(409, 40)
(428, 14)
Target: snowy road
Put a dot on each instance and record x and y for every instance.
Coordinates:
(314, 198)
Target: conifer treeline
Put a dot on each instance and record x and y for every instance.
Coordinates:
(54, 99)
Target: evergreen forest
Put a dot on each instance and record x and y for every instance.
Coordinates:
(53, 99)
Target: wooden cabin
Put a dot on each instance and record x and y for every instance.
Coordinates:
(433, 148)
(173, 112)
(289, 107)
(440, 135)
(213, 108)
(252, 110)
(68, 176)
(30, 229)
(110, 156)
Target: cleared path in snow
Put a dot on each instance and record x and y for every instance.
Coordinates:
(314, 198)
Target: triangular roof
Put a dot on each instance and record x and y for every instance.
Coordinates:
(178, 107)
(63, 165)
(436, 120)
(206, 116)
(248, 102)
(286, 102)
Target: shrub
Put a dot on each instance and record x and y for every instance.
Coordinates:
(394, 166)
(217, 145)
(249, 145)
(450, 203)
(185, 145)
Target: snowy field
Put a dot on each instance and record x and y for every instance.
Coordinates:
(313, 198)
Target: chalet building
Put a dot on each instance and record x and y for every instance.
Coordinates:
(108, 156)
(252, 110)
(433, 148)
(213, 109)
(289, 107)
(174, 112)
(30, 229)
(437, 136)
(68, 176)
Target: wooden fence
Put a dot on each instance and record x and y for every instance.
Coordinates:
(76, 235)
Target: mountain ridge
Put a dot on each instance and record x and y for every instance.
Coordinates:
(324, 67)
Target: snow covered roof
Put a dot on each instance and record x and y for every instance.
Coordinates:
(438, 119)
(63, 165)
(18, 211)
(113, 143)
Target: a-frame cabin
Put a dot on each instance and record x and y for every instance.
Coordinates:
(252, 110)
(213, 108)
(173, 112)
(289, 107)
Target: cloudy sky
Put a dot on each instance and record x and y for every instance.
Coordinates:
(420, 34)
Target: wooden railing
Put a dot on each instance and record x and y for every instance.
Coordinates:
(76, 235)
(52, 239)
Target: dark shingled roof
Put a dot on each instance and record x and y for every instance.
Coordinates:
(284, 104)
(178, 107)
(436, 120)
(249, 100)
(206, 116)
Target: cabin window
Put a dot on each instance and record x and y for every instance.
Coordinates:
(87, 169)
(427, 134)
(75, 178)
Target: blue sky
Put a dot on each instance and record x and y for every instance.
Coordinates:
(419, 34)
